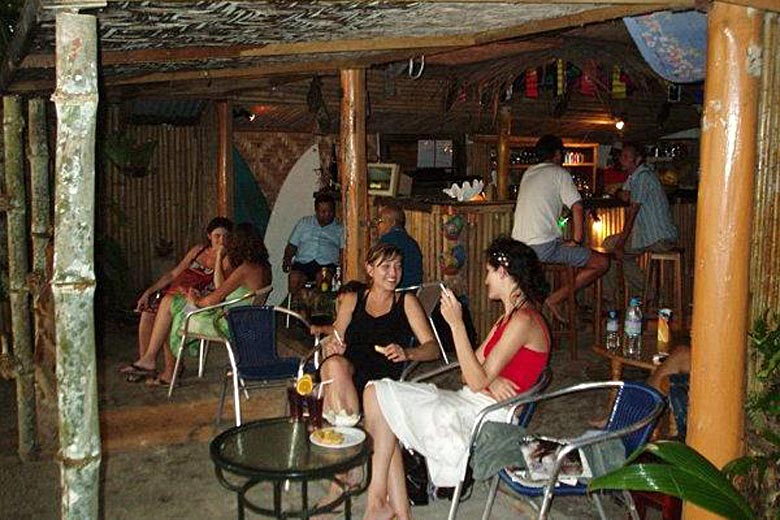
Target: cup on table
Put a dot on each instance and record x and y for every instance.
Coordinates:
(296, 402)
(314, 405)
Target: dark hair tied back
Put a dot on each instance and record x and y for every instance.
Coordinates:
(219, 222)
(522, 264)
(246, 245)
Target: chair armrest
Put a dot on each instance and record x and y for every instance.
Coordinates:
(436, 372)
(511, 404)
(226, 303)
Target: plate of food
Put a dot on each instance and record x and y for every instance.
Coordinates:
(337, 437)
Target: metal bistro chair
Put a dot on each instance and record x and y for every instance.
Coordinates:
(633, 417)
(254, 298)
(514, 415)
(252, 353)
(429, 294)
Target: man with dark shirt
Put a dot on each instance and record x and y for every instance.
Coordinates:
(390, 226)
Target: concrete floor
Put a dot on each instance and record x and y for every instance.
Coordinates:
(156, 462)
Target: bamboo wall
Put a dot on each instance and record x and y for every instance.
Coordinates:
(175, 202)
(764, 272)
(485, 221)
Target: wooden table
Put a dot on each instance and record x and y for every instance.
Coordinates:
(645, 361)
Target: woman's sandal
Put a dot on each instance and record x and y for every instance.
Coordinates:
(159, 381)
(134, 369)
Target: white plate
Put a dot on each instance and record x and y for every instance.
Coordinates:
(352, 437)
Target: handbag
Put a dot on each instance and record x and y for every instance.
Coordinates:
(416, 471)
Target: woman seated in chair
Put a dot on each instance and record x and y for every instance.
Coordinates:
(372, 334)
(204, 267)
(245, 248)
(437, 423)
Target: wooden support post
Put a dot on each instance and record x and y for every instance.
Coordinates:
(18, 267)
(724, 216)
(504, 133)
(352, 169)
(224, 159)
(73, 282)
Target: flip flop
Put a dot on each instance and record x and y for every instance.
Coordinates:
(136, 370)
(159, 381)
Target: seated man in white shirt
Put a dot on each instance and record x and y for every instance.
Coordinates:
(316, 242)
(546, 187)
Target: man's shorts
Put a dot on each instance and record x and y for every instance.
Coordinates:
(556, 252)
(311, 269)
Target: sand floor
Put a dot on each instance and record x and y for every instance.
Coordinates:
(155, 461)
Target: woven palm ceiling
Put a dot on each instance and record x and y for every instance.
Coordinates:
(265, 54)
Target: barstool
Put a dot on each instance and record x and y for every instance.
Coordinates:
(655, 274)
(563, 274)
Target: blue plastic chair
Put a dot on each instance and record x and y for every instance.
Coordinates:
(633, 417)
(252, 352)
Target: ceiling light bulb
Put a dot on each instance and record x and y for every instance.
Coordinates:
(620, 124)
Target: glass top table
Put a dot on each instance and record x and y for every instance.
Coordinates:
(278, 450)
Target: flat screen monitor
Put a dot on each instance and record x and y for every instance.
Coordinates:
(383, 179)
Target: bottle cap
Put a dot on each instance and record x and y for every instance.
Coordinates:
(612, 314)
(635, 301)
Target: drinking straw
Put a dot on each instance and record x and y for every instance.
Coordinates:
(319, 387)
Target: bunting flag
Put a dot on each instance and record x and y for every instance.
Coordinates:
(587, 85)
(618, 84)
(531, 83)
(560, 86)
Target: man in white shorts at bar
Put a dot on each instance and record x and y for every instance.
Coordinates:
(547, 187)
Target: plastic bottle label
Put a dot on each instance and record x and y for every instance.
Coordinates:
(612, 325)
(633, 327)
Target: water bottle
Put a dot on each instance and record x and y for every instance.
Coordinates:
(336, 285)
(613, 327)
(632, 330)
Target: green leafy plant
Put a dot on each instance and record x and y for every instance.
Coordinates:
(758, 473)
(682, 472)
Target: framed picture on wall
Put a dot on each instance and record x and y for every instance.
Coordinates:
(383, 178)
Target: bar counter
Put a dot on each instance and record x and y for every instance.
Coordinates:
(483, 221)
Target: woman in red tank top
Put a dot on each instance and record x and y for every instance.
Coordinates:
(430, 420)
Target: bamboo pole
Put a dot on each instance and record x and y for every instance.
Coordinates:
(18, 266)
(73, 282)
(39, 171)
(352, 170)
(504, 133)
(728, 157)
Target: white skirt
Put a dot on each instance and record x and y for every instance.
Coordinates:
(433, 422)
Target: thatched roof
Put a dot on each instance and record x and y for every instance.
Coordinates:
(251, 51)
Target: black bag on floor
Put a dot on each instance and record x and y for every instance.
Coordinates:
(465, 493)
(416, 477)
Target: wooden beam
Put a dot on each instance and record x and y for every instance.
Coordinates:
(184, 54)
(766, 5)
(601, 14)
(716, 412)
(352, 171)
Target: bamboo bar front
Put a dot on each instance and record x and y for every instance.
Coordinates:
(487, 220)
